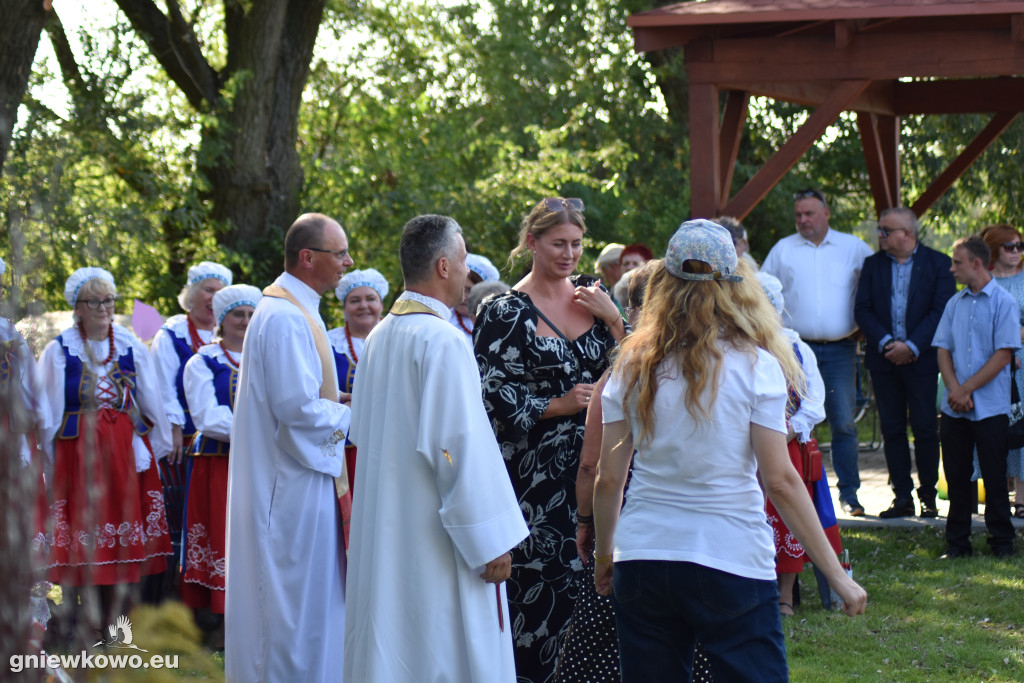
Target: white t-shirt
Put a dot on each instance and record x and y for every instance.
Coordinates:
(694, 495)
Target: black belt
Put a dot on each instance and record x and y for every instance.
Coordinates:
(822, 342)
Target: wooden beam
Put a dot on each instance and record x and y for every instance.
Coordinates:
(970, 96)
(845, 31)
(874, 160)
(879, 98)
(1017, 28)
(873, 56)
(733, 120)
(889, 141)
(946, 96)
(789, 154)
(657, 38)
(705, 174)
(958, 166)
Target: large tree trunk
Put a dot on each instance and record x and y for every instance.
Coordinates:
(19, 36)
(248, 167)
(257, 190)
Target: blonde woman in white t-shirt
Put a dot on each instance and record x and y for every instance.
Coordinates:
(700, 389)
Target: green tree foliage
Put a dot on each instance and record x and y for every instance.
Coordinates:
(473, 109)
(478, 111)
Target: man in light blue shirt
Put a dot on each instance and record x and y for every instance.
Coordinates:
(975, 340)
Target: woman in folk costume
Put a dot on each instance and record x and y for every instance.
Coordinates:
(361, 293)
(211, 379)
(110, 526)
(179, 338)
(803, 412)
(480, 270)
(24, 415)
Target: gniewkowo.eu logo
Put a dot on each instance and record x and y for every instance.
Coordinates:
(120, 638)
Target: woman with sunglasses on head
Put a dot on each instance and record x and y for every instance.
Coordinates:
(110, 527)
(211, 379)
(540, 347)
(1005, 246)
(700, 389)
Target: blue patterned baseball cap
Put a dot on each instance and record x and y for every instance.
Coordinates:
(705, 241)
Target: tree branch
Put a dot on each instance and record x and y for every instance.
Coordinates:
(174, 45)
(90, 108)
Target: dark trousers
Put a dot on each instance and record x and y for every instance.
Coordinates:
(959, 438)
(663, 608)
(898, 393)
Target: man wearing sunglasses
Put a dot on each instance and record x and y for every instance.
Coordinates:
(818, 268)
(901, 294)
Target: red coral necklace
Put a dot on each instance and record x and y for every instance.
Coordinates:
(88, 350)
(465, 329)
(193, 333)
(227, 354)
(351, 348)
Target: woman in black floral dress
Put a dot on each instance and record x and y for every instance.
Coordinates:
(541, 346)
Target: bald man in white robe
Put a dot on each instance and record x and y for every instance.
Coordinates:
(285, 602)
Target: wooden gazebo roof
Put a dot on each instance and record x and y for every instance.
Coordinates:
(836, 56)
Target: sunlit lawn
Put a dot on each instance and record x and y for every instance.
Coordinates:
(927, 619)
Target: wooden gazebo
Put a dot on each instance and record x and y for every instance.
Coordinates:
(882, 59)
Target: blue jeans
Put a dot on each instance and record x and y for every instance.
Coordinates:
(837, 363)
(898, 392)
(663, 608)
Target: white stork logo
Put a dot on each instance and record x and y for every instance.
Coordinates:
(120, 635)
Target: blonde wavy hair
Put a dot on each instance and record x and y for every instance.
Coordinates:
(689, 320)
(541, 219)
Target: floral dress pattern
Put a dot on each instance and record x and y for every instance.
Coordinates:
(521, 373)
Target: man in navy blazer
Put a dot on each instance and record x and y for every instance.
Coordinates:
(901, 294)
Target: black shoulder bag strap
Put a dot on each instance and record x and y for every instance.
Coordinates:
(572, 345)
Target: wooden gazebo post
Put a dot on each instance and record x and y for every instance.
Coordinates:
(852, 55)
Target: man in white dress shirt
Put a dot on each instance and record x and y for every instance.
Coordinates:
(819, 268)
(285, 603)
(429, 548)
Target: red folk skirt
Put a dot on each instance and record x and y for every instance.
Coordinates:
(109, 521)
(206, 533)
(790, 556)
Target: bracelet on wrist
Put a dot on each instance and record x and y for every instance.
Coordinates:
(602, 559)
(588, 520)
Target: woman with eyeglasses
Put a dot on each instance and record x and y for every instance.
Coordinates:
(211, 379)
(1005, 246)
(361, 293)
(540, 347)
(110, 527)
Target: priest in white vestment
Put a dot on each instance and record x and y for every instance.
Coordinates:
(285, 603)
(436, 513)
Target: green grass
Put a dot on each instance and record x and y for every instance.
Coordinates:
(927, 619)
